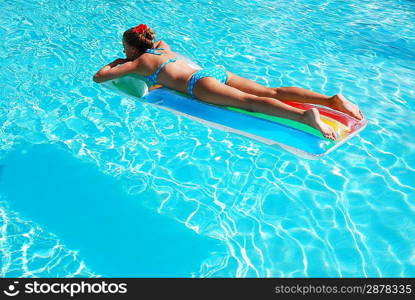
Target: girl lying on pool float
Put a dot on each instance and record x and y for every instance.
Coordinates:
(158, 64)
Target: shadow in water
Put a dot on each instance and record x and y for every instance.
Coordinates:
(90, 212)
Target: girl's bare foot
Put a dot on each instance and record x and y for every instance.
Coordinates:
(312, 118)
(338, 102)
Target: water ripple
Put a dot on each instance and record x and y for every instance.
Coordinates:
(350, 214)
(27, 251)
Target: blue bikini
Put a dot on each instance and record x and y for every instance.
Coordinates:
(152, 78)
(218, 73)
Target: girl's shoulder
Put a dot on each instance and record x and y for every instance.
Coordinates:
(162, 44)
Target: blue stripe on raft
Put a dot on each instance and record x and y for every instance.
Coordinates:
(279, 133)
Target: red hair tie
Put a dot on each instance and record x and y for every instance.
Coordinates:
(140, 28)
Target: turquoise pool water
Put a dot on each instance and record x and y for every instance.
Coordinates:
(96, 184)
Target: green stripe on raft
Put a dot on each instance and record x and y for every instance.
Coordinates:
(291, 123)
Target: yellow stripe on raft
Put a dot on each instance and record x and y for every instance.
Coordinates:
(341, 130)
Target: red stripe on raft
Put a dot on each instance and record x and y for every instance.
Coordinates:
(349, 121)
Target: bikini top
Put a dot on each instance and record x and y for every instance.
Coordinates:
(152, 78)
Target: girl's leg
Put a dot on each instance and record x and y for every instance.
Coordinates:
(212, 91)
(296, 94)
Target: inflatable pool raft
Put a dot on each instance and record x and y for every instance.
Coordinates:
(292, 136)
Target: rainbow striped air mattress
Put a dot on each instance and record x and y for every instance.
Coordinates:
(292, 136)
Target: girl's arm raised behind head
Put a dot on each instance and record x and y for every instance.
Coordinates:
(164, 45)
